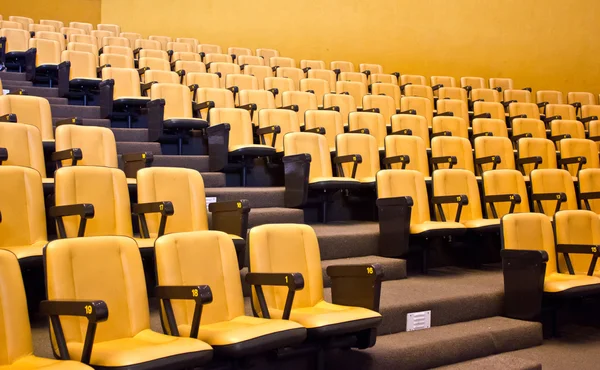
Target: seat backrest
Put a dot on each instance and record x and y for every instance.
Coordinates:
(301, 254)
(564, 126)
(83, 64)
(295, 74)
(97, 144)
(385, 78)
(565, 111)
(23, 212)
(147, 44)
(343, 66)
(304, 100)
(198, 258)
(389, 89)
(282, 62)
(114, 28)
(168, 77)
(240, 122)
(56, 24)
(417, 124)
(155, 64)
(158, 54)
(101, 35)
(318, 86)
(366, 146)
(324, 74)
(203, 80)
(534, 147)
(535, 127)
(374, 122)
(70, 31)
(243, 82)
(459, 108)
(132, 37)
(116, 41)
(103, 187)
(163, 40)
(353, 76)
(486, 146)
(72, 270)
(413, 146)
(313, 144)
(413, 80)
(553, 181)
(190, 41)
(239, 51)
(85, 39)
(286, 119)
(372, 68)
(486, 95)
(282, 84)
(446, 81)
(422, 106)
(262, 98)
(580, 148)
(184, 188)
(221, 97)
(457, 182)
(32, 110)
(459, 147)
(550, 97)
(584, 98)
(529, 231)
(456, 125)
(244, 60)
(330, 120)
(346, 104)
(84, 48)
(474, 82)
(260, 72)
(385, 104)
(456, 93)
(24, 146)
(267, 54)
(218, 58)
(312, 64)
(502, 182)
(48, 51)
(55, 36)
(589, 181)
(40, 28)
(16, 340)
(16, 39)
(419, 90)
(521, 96)
(224, 69)
(178, 99)
(579, 228)
(121, 50)
(127, 82)
(191, 67)
(209, 49)
(496, 126)
(496, 110)
(13, 25)
(86, 27)
(392, 183)
(503, 83)
(116, 60)
(531, 110)
(180, 47)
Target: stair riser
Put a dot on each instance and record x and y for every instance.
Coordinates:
(75, 111)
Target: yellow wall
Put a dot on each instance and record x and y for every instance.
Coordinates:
(61, 10)
(546, 44)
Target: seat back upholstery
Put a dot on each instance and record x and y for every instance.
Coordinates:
(164, 41)
(132, 37)
(209, 49)
(56, 24)
(533, 147)
(54, 36)
(224, 69)
(262, 98)
(550, 97)
(417, 124)
(16, 39)
(312, 64)
(243, 82)
(422, 106)
(496, 110)
(48, 51)
(385, 104)
(156, 54)
(413, 146)
(24, 146)
(589, 181)
(240, 122)
(117, 49)
(180, 47)
(16, 340)
(300, 254)
(486, 146)
(313, 144)
(529, 109)
(456, 93)
(23, 212)
(456, 125)
(389, 89)
(419, 90)
(486, 95)
(201, 258)
(209, 80)
(218, 58)
(116, 60)
(353, 76)
(190, 66)
(346, 104)
(373, 68)
(392, 183)
(101, 35)
(474, 82)
(502, 182)
(330, 120)
(70, 31)
(323, 74)
(458, 182)
(535, 127)
(181, 186)
(584, 98)
(343, 66)
(282, 84)
(146, 44)
(85, 39)
(496, 126)
(103, 187)
(86, 27)
(318, 86)
(521, 96)
(304, 100)
(267, 54)
(502, 83)
(178, 99)
(564, 126)
(168, 77)
(114, 28)
(76, 269)
(413, 80)
(459, 147)
(239, 51)
(295, 74)
(116, 41)
(529, 231)
(83, 64)
(366, 146)
(260, 72)
(31, 110)
(97, 144)
(40, 28)
(577, 227)
(286, 119)
(446, 81)
(382, 77)
(356, 89)
(127, 82)
(190, 41)
(155, 64)
(374, 122)
(565, 111)
(221, 97)
(83, 48)
(553, 181)
(186, 56)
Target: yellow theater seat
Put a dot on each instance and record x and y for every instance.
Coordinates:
(389, 89)
(452, 153)
(16, 54)
(484, 109)
(561, 111)
(223, 69)
(127, 92)
(54, 36)
(330, 120)
(485, 95)
(267, 54)
(443, 81)
(458, 108)
(117, 306)
(114, 28)
(552, 190)
(473, 82)
(421, 106)
(132, 37)
(527, 127)
(208, 258)
(116, 41)
(564, 130)
(312, 64)
(577, 239)
(56, 24)
(364, 145)
(31, 110)
(275, 124)
(492, 153)
(325, 75)
(22, 146)
(355, 89)
(489, 127)
(417, 125)
(163, 40)
(518, 96)
(385, 104)
(305, 101)
(83, 76)
(116, 60)
(406, 152)
(374, 122)
(589, 188)
(456, 93)
(300, 259)
(278, 85)
(577, 155)
(450, 126)
(345, 103)
(504, 192)
(502, 84)
(533, 153)
(317, 86)
(260, 72)
(420, 91)
(16, 343)
(342, 66)
(293, 73)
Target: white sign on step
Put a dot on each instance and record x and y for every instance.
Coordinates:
(210, 200)
(418, 320)
(5, 91)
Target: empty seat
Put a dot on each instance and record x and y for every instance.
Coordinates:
(384, 78)
(374, 122)
(190, 41)
(295, 74)
(353, 76)
(534, 153)
(54, 36)
(473, 83)
(589, 188)
(156, 54)
(16, 55)
(12, 25)
(237, 51)
(528, 127)
(70, 31)
(317, 86)
(421, 106)
(154, 64)
(453, 152)
(519, 96)
(312, 64)
(501, 84)
(86, 27)
(456, 93)
(345, 103)
(576, 230)
(330, 120)
(188, 67)
(85, 39)
(305, 101)
(367, 147)
(581, 98)
(142, 44)
(493, 152)
(389, 89)
(211, 97)
(371, 68)
(203, 80)
(504, 192)
(56, 24)
(83, 76)
(450, 126)
(416, 124)
(486, 95)
(48, 66)
(552, 190)
(488, 110)
(204, 49)
(260, 72)
(116, 60)
(180, 47)
(84, 48)
(566, 129)
(244, 60)
(412, 80)
(267, 54)
(385, 105)
(116, 49)
(276, 62)
(116, 41)
(164, 40)
(239, 82)
(323, 74)
(31, 110)
(127, 97)
(458, 108)
(523, 110)
(101, 35)
(341, 66)
(270, 119)
(489, 127)
(114, 28)
(545, 97)
(282, 84)
(419, 90)
(399, 147)
(561, 111)
(40, 28)
(438, 82)
(132, 37)
(262, 99)
(223, 69)
(578, 154)
(22, 146)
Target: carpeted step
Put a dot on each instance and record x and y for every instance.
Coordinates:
(196, 162)
(258, 197)
(130, 134)
(86, 121)
(58, 101)
(75, 111)
(275, 215)
(213, 179)
(504, 361)
(444, 345)
(11, 76)
(347, 239)
(134, 147)
(17, 84)
(44, 92)
(393, 268)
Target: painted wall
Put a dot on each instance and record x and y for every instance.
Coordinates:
(61, 10)
(546, 44)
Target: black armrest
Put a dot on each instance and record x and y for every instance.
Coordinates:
(234, 89)
(370, 110)
(146, 86)
(397, 74)
(305, 70)
(550, 119)
(441, 133)
(250, 107)
(337, 71)
(94, 311)
(445, 114)
(556, 138)
(494, 159)
(9, 118)
(274, 91)
(565, 162)
(334, 108)
(527, 89)
(410, 111)
(99, 69)
(164, 208)
(73, 154)
(351, 158)
(586, 197)
(565, 249)
(497, 88)
(482, 115)
(143, 70)
(404, 159)
(293, 281)
(69, 121)
(18, 92)
(316, 130)
(84, 211)
(402, 87)
(560, 198)
(449, 159)
(437, 87)
(293, 107)
(588, 119)
(537, 160)
(3, 155)
(516, 138)
(514, 199)
(356, 285)
(261, 132)
(204, 105)
(542, 104)
(461, 200)
(594, 138)
(359, 131)
(201, 294)
(136, 161)
(507, 103)
(367, 72)
(475, 136)
(405, 131)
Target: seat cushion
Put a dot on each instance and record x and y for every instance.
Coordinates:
(559, 283)
(85, 82)
(254, 149)
(26, 251)
(32, 362)
(246, 334)
(445, 228)
(185, 124)
(146, 346)
(333, 183)
(482, 223)
(131, 100)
